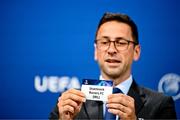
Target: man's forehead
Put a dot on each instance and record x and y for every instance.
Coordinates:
(114, 29)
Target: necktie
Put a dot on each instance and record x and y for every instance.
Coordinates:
(110, 116)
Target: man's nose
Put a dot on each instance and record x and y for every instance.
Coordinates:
(112, 48)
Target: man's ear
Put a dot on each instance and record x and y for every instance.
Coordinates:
(137, 52)
(95, 52)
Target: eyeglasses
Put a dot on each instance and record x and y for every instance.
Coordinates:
(120, 43)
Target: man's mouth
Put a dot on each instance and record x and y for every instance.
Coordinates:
(113, 61)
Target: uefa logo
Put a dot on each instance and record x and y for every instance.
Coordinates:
(55, 84)
(169, 84)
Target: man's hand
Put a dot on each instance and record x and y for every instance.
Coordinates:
(70, 103)
(122, 105)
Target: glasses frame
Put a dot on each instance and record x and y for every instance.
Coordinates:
(129, 41)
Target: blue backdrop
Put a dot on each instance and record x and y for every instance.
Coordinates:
(46, 46)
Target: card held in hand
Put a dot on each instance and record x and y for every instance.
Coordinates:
(96, 89)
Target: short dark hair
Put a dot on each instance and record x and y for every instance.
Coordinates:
(120, 18)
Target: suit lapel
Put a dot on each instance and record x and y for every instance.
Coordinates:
(138, 96)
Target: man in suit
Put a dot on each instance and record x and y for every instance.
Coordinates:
(116, 47)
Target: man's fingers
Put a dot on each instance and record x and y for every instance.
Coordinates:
(68, 108)
(75, 95)
(70, 102)
(120, 98)
(121, 105)
(117, 107)
(77, 92)
(118, 112)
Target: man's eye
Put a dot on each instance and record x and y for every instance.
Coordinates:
(104, 42)
(121, 43)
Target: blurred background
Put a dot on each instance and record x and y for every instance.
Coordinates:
(46, 47)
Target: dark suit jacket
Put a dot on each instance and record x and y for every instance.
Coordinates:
(148, 105)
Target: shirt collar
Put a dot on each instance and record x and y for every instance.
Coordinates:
(124, 86)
